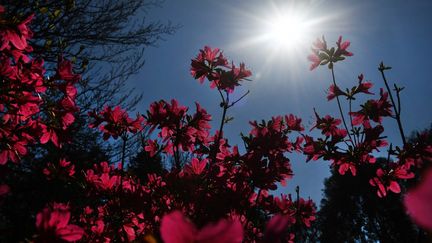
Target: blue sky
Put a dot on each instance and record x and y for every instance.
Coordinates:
(396, 32)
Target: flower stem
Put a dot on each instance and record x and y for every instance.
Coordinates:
(351, 122)
(225, 107)
(122, 161)
(340, 107)
(397, 111)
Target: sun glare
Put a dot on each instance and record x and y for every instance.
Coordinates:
(286, 31)
(279, 34)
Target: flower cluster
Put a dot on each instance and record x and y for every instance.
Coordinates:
(321, 55)
(352, 146)
(179, 131)
(211, 64)
(27, 113)
(117, 122)
(53, 224)
(216, 183)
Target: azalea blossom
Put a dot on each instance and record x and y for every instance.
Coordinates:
(418, 201)
(177, 229)
(322, 55)
(53, 224)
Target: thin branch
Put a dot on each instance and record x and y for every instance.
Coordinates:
(244, 95)
(397, 114)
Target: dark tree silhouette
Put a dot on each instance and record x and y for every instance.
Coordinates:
(143, 164)
(351, 211)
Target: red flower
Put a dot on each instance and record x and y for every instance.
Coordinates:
(151, 147)
(313, 149)
(196, 167)
(64, 71)
(329, 126)
(211, 64)
(17, 39)
(334, 91)
(228, 80)
(363, 87)
(49, 134)
(342, 48)
(306, 210)
(315, 59)
(53, 223)
(208, 59)
(321, 55)
(293, 123)
(117, 122)
(15, 149)
(64, 167)
(418, 201)
(276, 227)
(176, 229)
(345, 166)
(373, 110)
(387, 180)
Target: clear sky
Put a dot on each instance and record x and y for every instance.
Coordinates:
(396, 32)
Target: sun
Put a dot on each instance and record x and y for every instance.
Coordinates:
(286, 31)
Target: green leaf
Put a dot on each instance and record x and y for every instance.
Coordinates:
(332, 51)
(340, 58)
(323, 56)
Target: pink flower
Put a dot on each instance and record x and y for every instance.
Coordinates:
(345, 166)
(306, 211)
(211, 64)
(64, 71)
(342, 48)
(14, 151)
(334, 91)
(18, 39)
(418, 202)
(328, 125)
(117, 122)
(321, 55)
(53, 223)
(48, 134)
(363, 87)
(315, 59)
(63, 167)
(373, 110)
(320, 44)
(276, 227)
(208, 59)
(293, 123)
(177, 229)
(151, 147)
(196, 167)
(387, 180)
